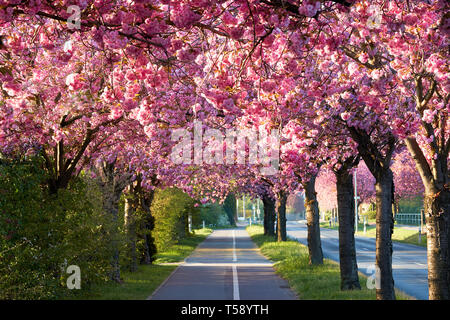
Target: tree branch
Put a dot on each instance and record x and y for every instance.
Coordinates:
(421, 163)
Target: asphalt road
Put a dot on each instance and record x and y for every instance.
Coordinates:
(226, 266)
(409, 262)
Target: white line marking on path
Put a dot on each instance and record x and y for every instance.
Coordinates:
(227, 264)
(420, 264)
(235, 284)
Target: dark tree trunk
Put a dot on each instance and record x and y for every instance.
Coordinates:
(377, 157)
(145, 202)
(346, 215)
(111, 208)
(281, 216)
(269, 216)
(230, 208)
(436, 179)
(384, 228)
(437, 215)
(312, 222)
(112, 184)
(130, 227)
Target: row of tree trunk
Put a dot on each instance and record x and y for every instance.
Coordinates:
(113, 183)
(275, 210)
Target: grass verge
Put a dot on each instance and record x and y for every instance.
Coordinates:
(183, 248)
(319, 282)
(141, 284)
(399, 235)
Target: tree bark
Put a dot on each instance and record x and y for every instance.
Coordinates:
(281, 215)
(346, 216)
(145, 202)
(112, 184)
(437, 216)
(384, 228)
(312, 222)
(377, 157)
(130, 227)
(436, 179)
(230, 208)
(269, 216)
(111, 208)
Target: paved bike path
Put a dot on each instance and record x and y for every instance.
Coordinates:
(226, 266)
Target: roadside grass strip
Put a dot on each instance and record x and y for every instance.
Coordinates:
(309, 282)
(400, 234)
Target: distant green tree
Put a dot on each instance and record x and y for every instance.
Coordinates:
(229, 206)
(213, 214)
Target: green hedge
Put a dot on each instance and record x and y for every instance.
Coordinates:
(170, 208)
(42, 234)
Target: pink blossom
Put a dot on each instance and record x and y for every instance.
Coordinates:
(74, 81)
(116, 113)
(346, 95)
(309, 8)
(353, 68)
(11, 88)
(363, 57)
(184, 17)
(68, 46)
(229, 19)
(345, 116)
(58, 136)
(428, 115)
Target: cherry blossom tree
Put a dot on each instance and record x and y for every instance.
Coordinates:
(74, 86)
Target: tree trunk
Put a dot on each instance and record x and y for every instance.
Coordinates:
(377, 157)
(384, 229)
(437, 215)
(312, 222)
(145, 202)
(266, 218)
(130, 227)
(435, 178)
(281, 216)
(230, 208)
(269, 216)
(346, 215)
(112, 184)
(111, 208)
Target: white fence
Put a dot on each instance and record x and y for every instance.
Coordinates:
(408, 218)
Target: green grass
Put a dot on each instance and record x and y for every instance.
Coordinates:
(319, 282)
(141, 284)
(181, 250)
(136, 285)
(399, 235)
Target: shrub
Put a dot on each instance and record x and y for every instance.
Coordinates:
(42, 234)
(214, 214)
(170, 209)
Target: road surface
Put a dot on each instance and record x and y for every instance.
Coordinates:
(226, 266)
(409, 262)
